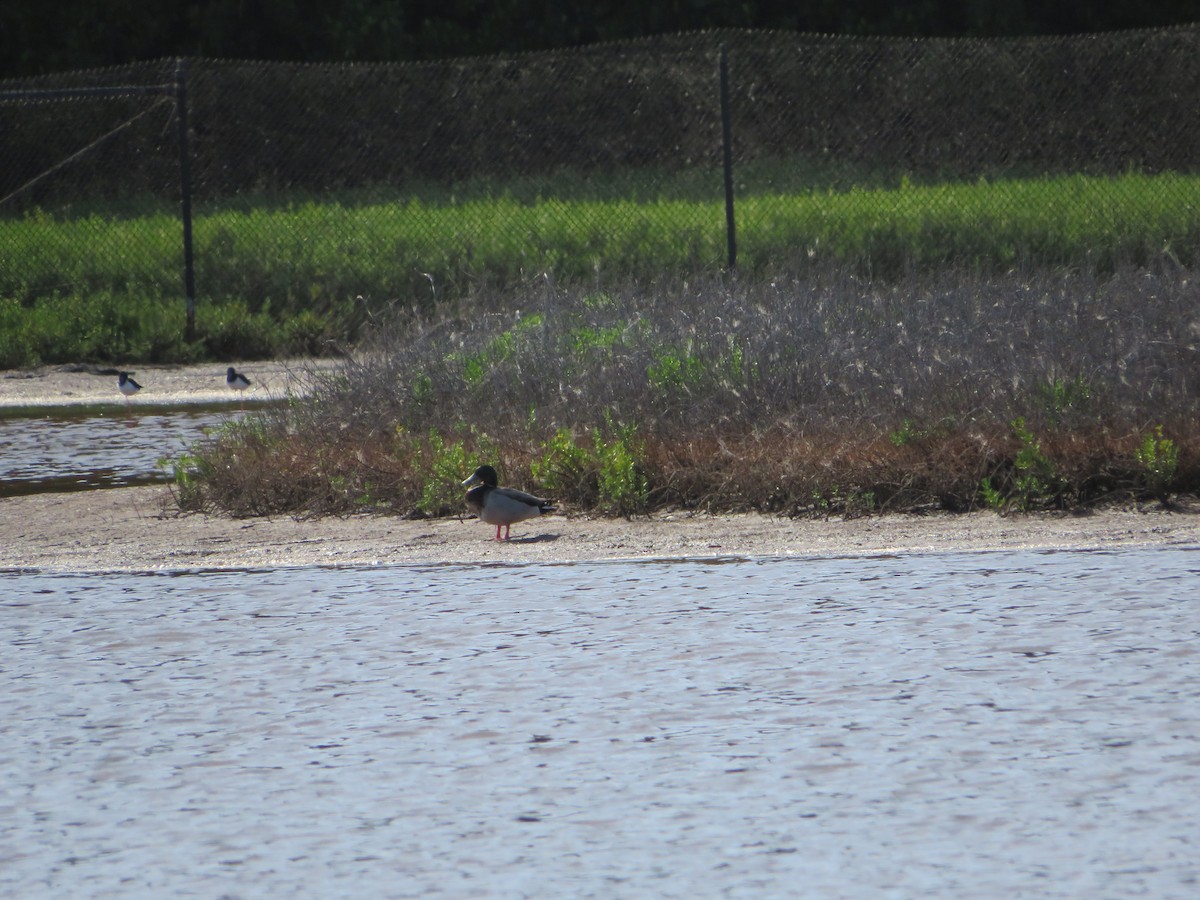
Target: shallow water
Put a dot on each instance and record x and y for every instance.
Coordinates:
(984, 725)
(82, 448)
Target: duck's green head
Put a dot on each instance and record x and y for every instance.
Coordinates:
(483, 475)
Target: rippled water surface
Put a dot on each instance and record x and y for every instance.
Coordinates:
(974, 725)
(65, 449)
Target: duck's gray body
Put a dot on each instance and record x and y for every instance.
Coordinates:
(502, 507)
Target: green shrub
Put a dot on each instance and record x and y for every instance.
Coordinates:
(621, 481)
(992, 498)
(305, 334)
(1158, 458)
(675, 371)
(187, 474)
(18, 348)
(563, 465)
(906, 434)
(232, 331)
(1060, 396)
(442, 465)
(1037, 477)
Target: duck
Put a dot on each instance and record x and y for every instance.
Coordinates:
(126, 385)
(501, 506)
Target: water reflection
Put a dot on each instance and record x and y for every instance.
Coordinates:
(66, 449)
(962, 725)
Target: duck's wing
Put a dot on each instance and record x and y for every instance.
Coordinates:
(506, 505)
(521, 497)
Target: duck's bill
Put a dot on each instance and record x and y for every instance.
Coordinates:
(474, 479)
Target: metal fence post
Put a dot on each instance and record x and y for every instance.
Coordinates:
(185, 194)
(727, 144)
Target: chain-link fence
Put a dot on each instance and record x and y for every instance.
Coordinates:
(313, 183)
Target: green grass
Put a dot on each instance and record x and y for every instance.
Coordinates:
(1070, 221)
(258, 269)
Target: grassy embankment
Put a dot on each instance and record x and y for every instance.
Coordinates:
(1011, 345)
(282, 279)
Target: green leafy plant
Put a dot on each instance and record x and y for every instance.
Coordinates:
(1035, 479)
(1061, 395)
(736, 367)
(187, 473)
(474, 370)
(589, 337)
(442, 464)
(422, 389)
(1037, 476)
(306, 332)
(992, 498)
(676, 370)
(563, 463)
(906, 434)
(502, 347)
(621, 480)
(1158, 457)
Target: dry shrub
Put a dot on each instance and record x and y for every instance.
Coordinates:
(830, 395)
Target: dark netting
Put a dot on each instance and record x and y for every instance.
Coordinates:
(350, 150)
(1100, 104)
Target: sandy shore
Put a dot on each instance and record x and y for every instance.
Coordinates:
(172, 385)
(139, 529)
(127, 529)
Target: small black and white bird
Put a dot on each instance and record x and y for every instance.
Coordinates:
(127, 386)
(501, 506)
(236, 380)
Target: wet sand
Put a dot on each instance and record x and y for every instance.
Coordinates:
(136, 529)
